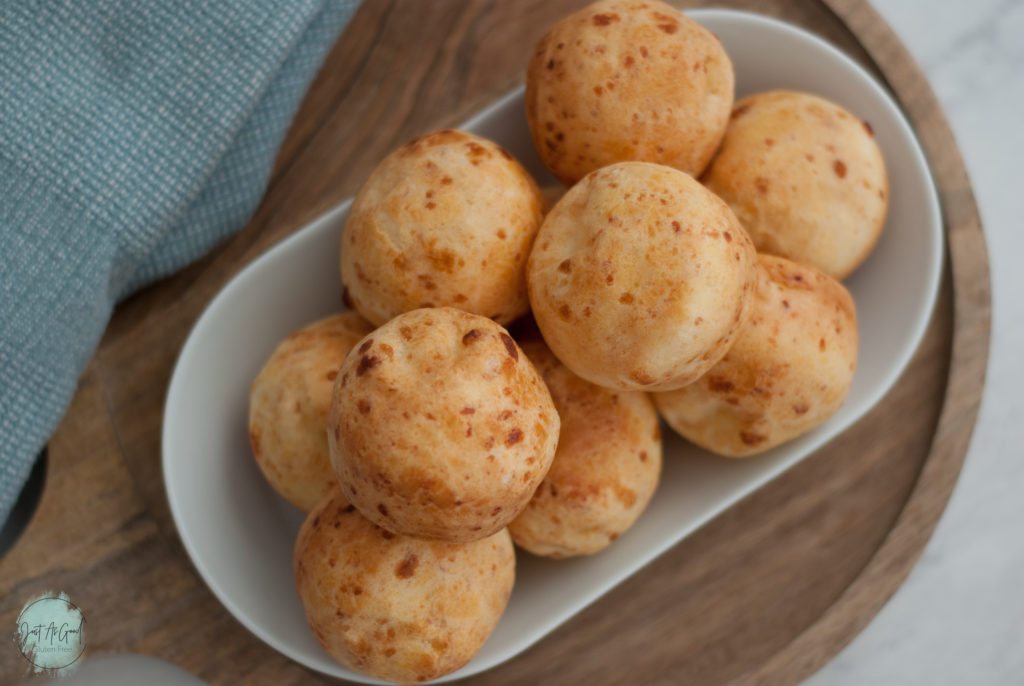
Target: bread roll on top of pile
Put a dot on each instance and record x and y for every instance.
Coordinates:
(640, 277)
(440, 427)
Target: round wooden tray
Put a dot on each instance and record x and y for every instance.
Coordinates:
(764, 594)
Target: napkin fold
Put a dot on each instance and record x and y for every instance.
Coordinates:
(134, 136)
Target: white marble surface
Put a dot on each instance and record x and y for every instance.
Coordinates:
(959, 618)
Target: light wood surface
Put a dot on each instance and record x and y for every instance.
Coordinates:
(764, 594)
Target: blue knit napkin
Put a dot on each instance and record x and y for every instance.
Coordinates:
(134, 136)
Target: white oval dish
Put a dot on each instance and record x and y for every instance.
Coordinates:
(240, 534)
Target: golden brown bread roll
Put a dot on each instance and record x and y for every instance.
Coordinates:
(446, 220)
(605, 469)
(288, 405)
(789, 370)
(639, 278)
(805, 177)
(440, 427)
(395, 607)
(625, 80)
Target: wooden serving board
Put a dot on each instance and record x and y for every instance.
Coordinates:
(764, 594)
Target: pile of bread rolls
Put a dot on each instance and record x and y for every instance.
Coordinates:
(691, 267)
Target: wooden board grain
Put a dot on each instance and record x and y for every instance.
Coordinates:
(764, 594)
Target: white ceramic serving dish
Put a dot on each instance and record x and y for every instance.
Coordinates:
(239, 533)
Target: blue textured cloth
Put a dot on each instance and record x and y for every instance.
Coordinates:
(134, 136)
